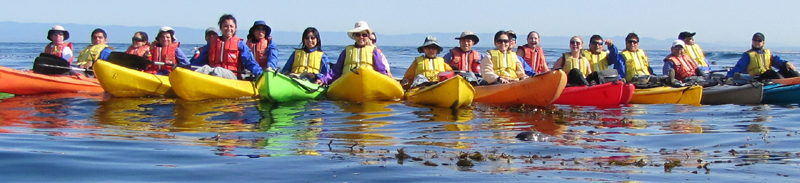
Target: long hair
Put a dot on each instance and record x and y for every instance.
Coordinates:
(314, 32)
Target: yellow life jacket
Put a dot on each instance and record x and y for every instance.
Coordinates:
(91, 53)
(429, 67)
(505, 64)
(635, 64)
(697, 55)
(598, 61)
(759, 63)
(355, 57)
(570, 63)
(307, 62)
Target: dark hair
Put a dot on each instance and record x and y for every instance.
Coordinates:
(143, 35)
(532, 32)
(631, 35)
(95, 31)
(226, 17)
(500, 33)
(315, 32)
(595, 37)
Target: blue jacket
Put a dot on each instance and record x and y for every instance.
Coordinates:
(741, 65)
(528, 69)
(323, 70)
(246, 58)
(272, 59)
(614, 58)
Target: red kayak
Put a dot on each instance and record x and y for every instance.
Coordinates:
(596, 95)
(26, 82)
(627, 93)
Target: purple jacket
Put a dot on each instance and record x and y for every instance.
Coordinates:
(338, 68)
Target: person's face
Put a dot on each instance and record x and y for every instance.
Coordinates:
(502, 43)
(259, 33)
(758, 43)
(310, 40)
(513, 44)
(373, 39)
(466, 44)
(98, 38)
(632, 44)
(165, 38)
(362, 38)
(228, 28)
(533, 39)
(596, 46)
(139, 43)
(430, 51)
(677, 50)
(575, 45)
(689, 40)
(57, 37)
(211, 36)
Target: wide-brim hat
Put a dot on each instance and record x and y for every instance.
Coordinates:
(469, 35)
(686, 34)
(58, 28)
(359, 27)
(168, 30)
(430, 40)
(256, 25)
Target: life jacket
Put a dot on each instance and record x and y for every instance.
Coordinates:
(225, 53)
(259, 49)
(684, 67)
(164, 54)
(598, 62)
(429, 67)
(635, 64)
(307, 62)
(505, 64)
(570, 63)
(534, 57)
(355, 57)
(465, 62)
(91, 53)
(696, 53)
(142, 51)
(759, 63)
(57, 50)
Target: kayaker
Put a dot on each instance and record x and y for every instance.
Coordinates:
(463, 57)
(636, 62)
(533, 53)
(309, 58)
(58, 45)
(228, 52)
(139, 45)
(525, 66)
(679, 63)
(360, 54)
(600, 59)
(373, 42)
(427, 65)
(97, 50)
(165, 52)
(500, 65)
(758, 60)
(694, 51)
(264, 49)
(211, 34)
(573, 62)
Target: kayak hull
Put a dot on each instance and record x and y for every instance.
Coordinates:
(627, 93)
(598, 95)
(540, 90)
(277, 87)
(668, 95)
(124, 82)
(365, 85)
(27, 83)
(745, 94)
(781, 94)
(195, 86)
(455, 92)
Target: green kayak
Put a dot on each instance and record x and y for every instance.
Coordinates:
(5, 95)
(277, 87)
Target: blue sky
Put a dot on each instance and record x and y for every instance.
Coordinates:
(715, 21)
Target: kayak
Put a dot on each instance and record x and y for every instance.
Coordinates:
(454, 93)
(781, 94)
(194, 86)
(540, 90)
(745, 94)
(365, 85)
(277, 87)
(124, 82)
(787, 81)
(668, 95)
(26, 83)
(597, 95)
(627, 93)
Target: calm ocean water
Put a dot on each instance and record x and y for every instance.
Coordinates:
(82, 137)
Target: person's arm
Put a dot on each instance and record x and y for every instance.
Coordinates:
(521, 69)
(202, 59)
(104, 54)
(287, 68)
(272, 59)
(777, 62)
(668, 67)
(324, 68)
(379, 63)
(559, 64)
(487, 69)
(448, 58)
(741, 65)
(66, 54)
(411, 72)
(181, 57)
(337, 69)
(247, 59)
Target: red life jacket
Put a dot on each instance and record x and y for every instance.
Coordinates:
(465, 62)
(259, 50)
(226, 57)
(164, 54)
(683, 67)
(57, 52)
(534, 58)
(140, 51)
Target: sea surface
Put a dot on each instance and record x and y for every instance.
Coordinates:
(93, 137)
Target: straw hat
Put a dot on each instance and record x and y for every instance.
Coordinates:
(359, 27)
(58, 28)
(430, 40)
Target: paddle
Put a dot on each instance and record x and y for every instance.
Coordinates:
(129, 60)
(50, 65)
(62, 67)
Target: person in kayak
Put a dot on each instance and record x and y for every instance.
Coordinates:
(500, 65)
(463, 57)
(600, 59)
(533, 54)
(309, 58)
(165, 53)
(260, 42)
(58, 45)
(373, 42)
(97, 50)
(636, 62)
(426, 66)
(139, 45)
(513, 44)
(758, 60)
(211, 33)
(227, 54)
(694, 51)
(573, 62)
(678, 63)
(360, 54)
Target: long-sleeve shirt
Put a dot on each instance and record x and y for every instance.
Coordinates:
(246, 58)
(323, 70)
(528, 69)
(378, 64)
(741, 65)
(614, 58)
(272, 55)
(487, 69)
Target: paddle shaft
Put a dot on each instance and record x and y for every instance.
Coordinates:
(192, 66)
(62, 67)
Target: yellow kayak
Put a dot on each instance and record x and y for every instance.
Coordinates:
(124, 82)
(668, 95)
(194, 86)
(453, 93)
(365, 85)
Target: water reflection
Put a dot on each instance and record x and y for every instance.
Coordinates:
(362, 126)
(285, 124)
(63, 110)
(227, 115)
(141, 114)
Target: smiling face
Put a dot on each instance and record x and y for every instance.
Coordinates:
(533, 39)
(259, 33)
(139, 43)
(362, 38)
(596, 46)
(98, 38)
(57, 37)
(430, 51)
(502, 43)
(575, 45)
(677, 50)
(632, 44)
(228, 28)
(165, 38)
(758, 43)
(466, 44)
(310, 40)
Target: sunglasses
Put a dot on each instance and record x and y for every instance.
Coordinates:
(597, 43)
(502, 41)
(312, 37)
(358, 34)
(758, 40)
(575, 42)
(633, 41)
(58, 33)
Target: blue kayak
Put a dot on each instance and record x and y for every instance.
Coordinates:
(781, 94)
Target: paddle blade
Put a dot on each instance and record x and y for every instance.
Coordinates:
(129, 60)
(48, 59)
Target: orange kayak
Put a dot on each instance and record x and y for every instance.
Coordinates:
(540, 90)
(787, 81)
(26, 82)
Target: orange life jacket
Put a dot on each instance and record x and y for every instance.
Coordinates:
(684, 67)
(140, 51)
(465, 62)
(259, 50)
(534, 58)
(164, 54)
(56, 50)
(225, 53)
